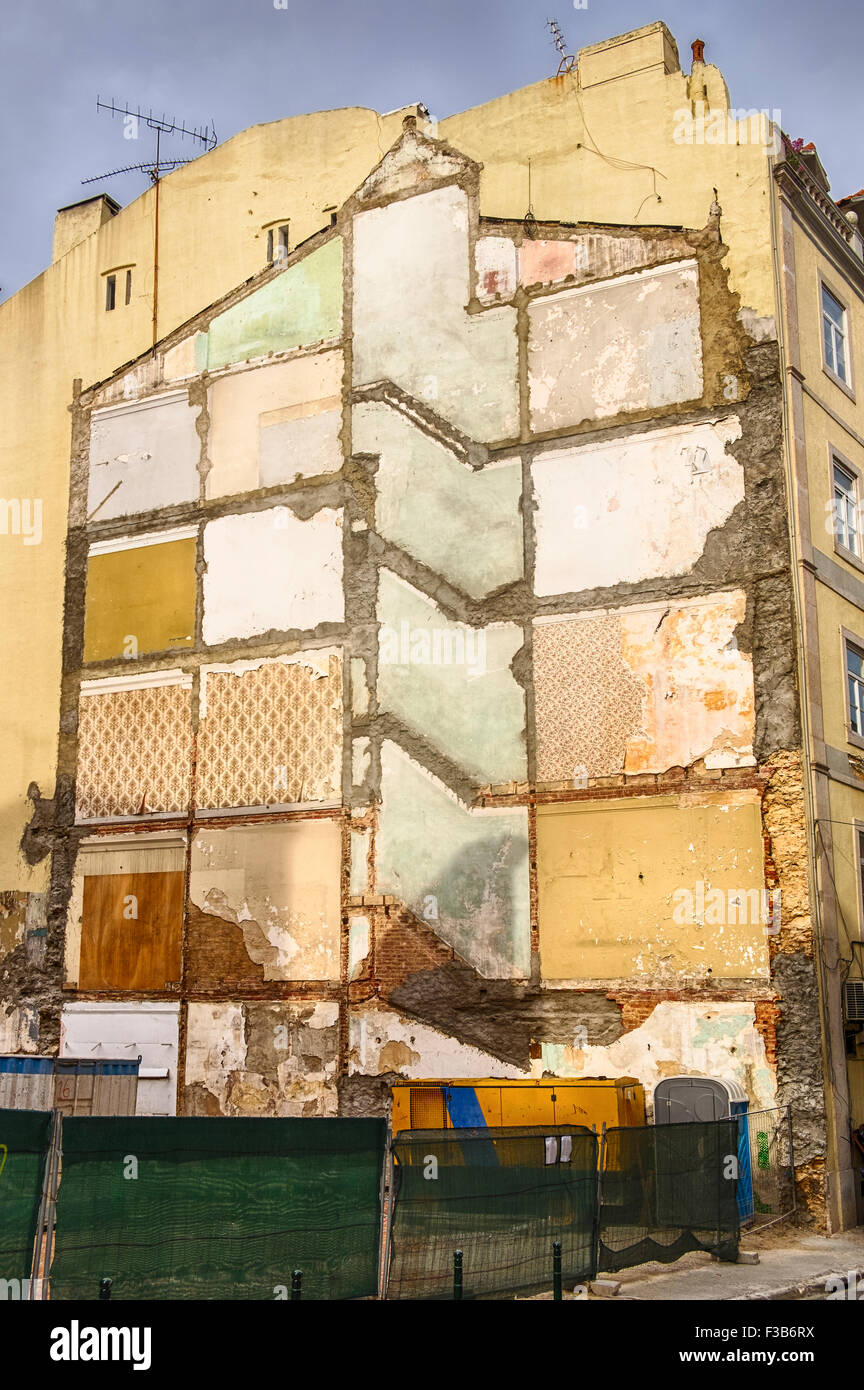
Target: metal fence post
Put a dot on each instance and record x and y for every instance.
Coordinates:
(52, 1179)
(39, 1244)
(457, 1275)
(601, 1164)
(387, 1218)
(556, 1271)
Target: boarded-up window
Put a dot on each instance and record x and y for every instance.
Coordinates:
(130, 931)
(125, 917)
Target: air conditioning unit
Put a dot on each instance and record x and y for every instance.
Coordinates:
(853, 1001)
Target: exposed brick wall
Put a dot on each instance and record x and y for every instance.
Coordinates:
(767, 1017)
(400, 943)
(216, 954)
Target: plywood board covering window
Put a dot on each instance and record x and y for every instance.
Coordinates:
(140, 599)
(131, 926)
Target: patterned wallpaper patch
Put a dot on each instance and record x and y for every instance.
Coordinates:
(270, 732)
(588, 702)
(643, 689)
(134, 750)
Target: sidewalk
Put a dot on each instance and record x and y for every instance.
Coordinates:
(791, 1266)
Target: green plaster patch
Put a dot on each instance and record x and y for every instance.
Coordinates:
(464, 873)
(301, 306)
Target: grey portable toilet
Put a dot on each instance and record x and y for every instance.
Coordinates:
(691, 1099)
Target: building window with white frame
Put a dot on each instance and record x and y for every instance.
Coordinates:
(846, 508)
(834, 336)
(855, 687)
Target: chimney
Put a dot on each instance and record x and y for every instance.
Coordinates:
(79, 220)
(698, 47)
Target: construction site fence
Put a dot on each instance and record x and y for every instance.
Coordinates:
(209, 1208)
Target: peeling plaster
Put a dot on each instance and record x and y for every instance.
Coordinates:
(627, 344)
(678, 1038)
(280, 885)
(383, 1041)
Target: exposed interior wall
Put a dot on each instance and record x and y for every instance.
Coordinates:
(213, 216)
(490, 905)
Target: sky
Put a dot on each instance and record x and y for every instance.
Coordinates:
(235, 63)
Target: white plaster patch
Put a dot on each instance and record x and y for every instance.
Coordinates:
(633, 508)
(617, 345)
(143, 456)
(359, 862)
(381, 1041)
(271, 571)
(360, 760)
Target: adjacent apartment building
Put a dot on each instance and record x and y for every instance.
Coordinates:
(451, 645)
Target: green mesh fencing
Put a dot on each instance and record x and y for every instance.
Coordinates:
(218, 1208)
(667, 1189)
(24, 1139)
(501, 1196)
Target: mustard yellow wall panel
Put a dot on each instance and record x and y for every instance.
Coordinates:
(140, 600)
(654, 887)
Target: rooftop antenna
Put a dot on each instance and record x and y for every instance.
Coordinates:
(568, 61)
(205, 135)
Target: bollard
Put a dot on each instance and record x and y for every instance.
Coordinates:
(296, 1285)
(457, 1274)
(556, 1271)
(105, 1290)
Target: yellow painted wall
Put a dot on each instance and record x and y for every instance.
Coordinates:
(824, 433)
(835, 614)
(147, 593)
(213, 213)
(607, 873)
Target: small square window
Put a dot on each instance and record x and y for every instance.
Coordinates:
(834, 336)
(855, 687)
(110, 291)
(846, 509)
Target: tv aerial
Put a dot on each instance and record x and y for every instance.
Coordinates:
(568, 61)
(132, 120)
